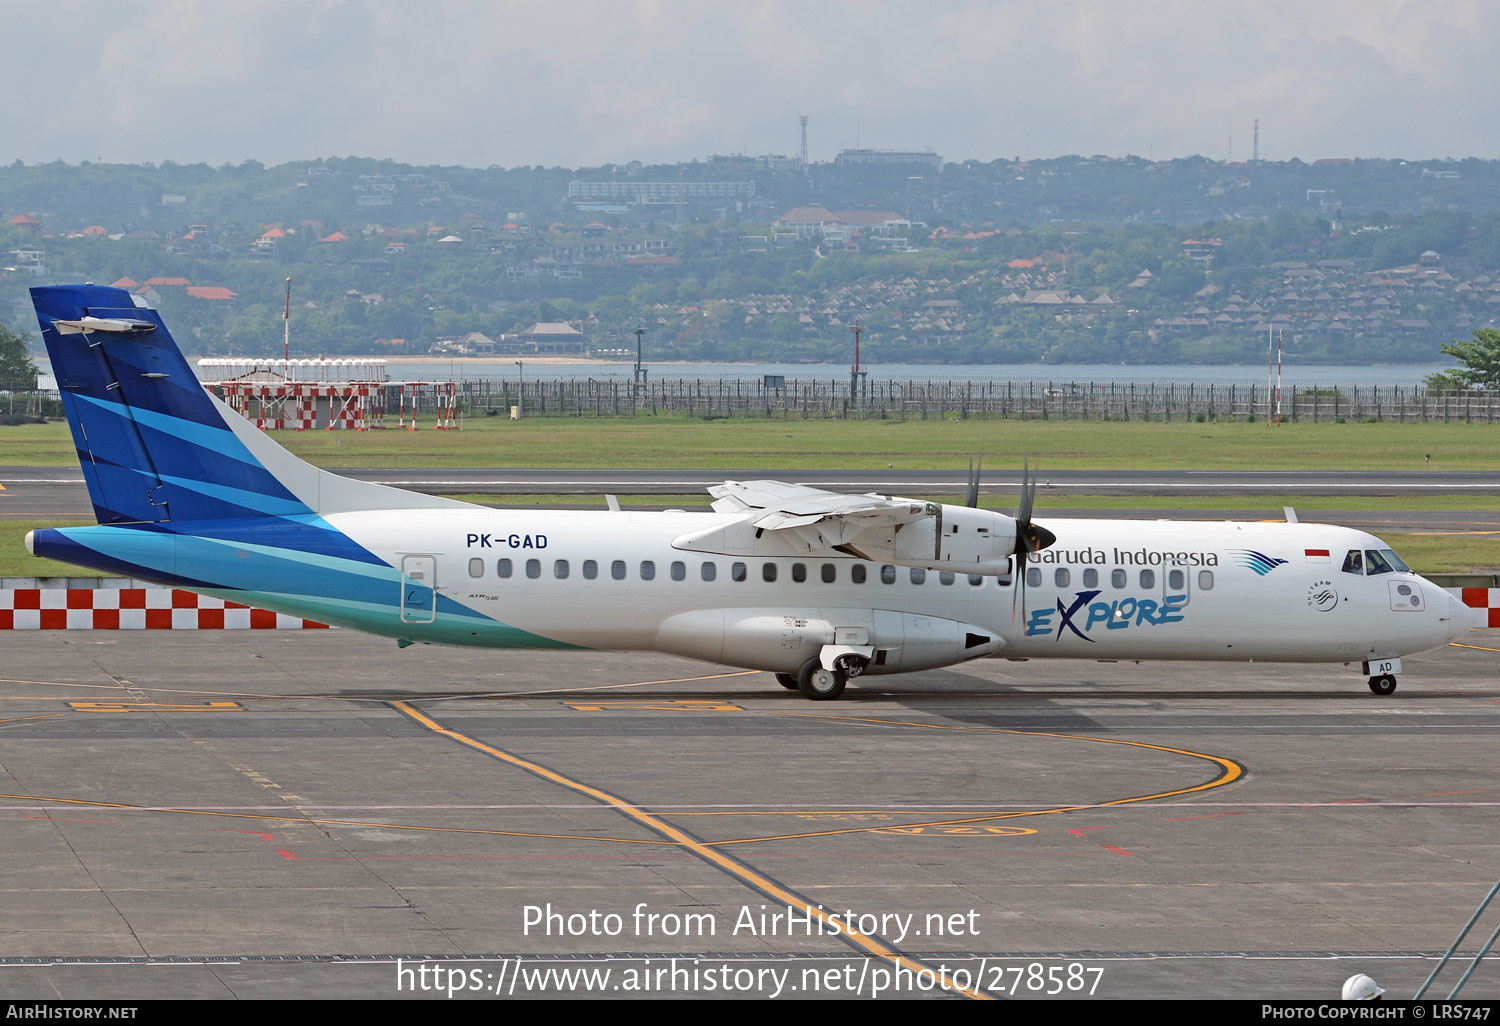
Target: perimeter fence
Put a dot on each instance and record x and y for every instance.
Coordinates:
(712, 398)
(715, 398)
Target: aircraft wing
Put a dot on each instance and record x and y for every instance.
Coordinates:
(783, 506)
(777, 518)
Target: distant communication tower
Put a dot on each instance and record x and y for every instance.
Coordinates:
(803, 119)
(1255, 149)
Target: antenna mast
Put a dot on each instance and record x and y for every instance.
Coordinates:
(286, 323)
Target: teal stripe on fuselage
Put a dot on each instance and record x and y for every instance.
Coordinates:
(378, 618)
(234, 564)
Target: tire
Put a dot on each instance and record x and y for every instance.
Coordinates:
(1384, 684)
(788, 681)
(819, 684)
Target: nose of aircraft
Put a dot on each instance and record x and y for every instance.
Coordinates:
(1462, 618)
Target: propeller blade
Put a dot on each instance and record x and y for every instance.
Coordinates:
(971, 497)
(1018, 586)
(1028, 493)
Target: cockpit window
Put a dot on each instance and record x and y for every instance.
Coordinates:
(1382, 561)
(1354, 562)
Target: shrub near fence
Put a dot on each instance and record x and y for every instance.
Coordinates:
(29, 403)
(920, 400)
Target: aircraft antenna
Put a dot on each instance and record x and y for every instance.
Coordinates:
(286, 323)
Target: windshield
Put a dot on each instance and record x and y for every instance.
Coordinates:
(1382, 561)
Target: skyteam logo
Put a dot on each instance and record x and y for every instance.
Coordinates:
(1261, 563)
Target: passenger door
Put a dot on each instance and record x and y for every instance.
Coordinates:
(418, 589)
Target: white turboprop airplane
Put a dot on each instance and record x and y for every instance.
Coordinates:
(814, 586)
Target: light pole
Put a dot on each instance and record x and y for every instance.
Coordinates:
(640, 372)
(855, 372)
(521, 391)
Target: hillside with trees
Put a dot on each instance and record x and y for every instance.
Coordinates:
(1065, 260)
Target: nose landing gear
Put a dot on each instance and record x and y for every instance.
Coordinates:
(1382, 674)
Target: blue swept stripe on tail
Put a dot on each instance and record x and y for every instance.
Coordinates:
(153, 445)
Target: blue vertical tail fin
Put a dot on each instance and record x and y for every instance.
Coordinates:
(154, 445)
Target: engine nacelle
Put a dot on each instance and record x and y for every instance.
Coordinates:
(782, 639)
(957, 538)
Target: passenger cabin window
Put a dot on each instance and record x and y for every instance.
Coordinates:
(738, 572)
(648, 570)
(617, 569)
(1033, 577)
(476, 568)
(918, 575)
(768, 573)
(1118, 578)
(1148, 578)
(1176, 580)
(560, 569)
(1205, 580)
(887, 574)
(708, 571)
(679, 571)
(1061, 577)
(1091, 578)
(590, 569)
(533, 568)
(503, 568)
(976, 579)
(799, 572)
(945, 577)
(857, 573)
(830, 573)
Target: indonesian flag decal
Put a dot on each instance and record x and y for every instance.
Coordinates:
(1317, 555)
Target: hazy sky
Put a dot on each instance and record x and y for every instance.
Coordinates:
(581, 82)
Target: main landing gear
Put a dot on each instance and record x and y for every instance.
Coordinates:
(1383, 684)
(821, 684)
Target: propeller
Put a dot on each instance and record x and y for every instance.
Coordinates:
(971, 497)
(1029, 538)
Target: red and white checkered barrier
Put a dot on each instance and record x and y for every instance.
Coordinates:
(171, 609)
(1487, 599)
(351, 406)
(133, 609)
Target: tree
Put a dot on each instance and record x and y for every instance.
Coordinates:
(1480, 357)
(17, 372)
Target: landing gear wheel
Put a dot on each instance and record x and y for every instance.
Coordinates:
(1384, 684)
(788, 681)
(819, 684)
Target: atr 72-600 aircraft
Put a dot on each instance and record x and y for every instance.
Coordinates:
(814, 586)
